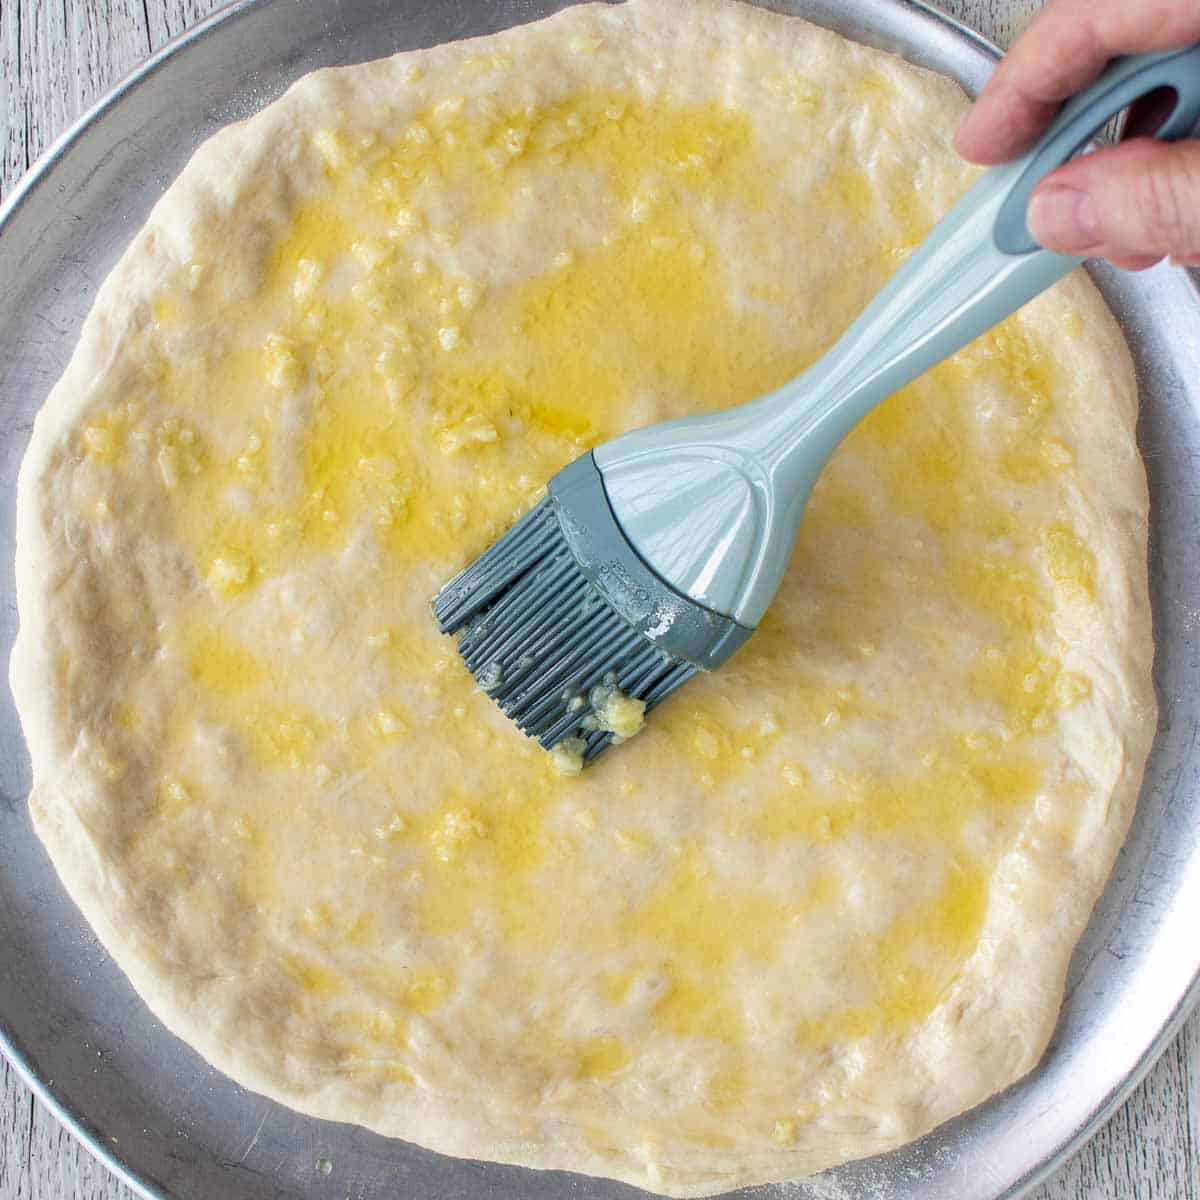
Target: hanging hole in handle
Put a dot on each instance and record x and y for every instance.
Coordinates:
(1144, 117)
(1147, 115)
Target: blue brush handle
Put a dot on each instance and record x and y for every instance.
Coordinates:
(1127, 80)
(737, 481)
(978, 265)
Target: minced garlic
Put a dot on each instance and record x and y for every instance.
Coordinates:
(616, 713)
(567, 756)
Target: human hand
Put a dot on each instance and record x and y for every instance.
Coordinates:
(1132, 203)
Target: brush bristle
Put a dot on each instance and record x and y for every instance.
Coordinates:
(538, 635)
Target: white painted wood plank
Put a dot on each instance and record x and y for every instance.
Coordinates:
(110, 38)
(169, 18)
(14, 99)
(56, 58)
(16, 1126)
(61, 1169)
(1191, 1148)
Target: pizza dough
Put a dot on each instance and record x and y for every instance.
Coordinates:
(826, 899)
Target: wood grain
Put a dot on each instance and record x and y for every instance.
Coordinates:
(56, 58)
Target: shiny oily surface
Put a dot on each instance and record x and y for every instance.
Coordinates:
(229, 673)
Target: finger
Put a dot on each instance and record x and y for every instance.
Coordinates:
(1061, 52)
(1133, 204)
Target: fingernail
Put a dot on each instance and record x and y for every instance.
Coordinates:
(1064, 219)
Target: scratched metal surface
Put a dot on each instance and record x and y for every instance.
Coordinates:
(131, 1090)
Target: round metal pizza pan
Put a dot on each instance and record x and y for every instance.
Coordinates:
(172, 1126)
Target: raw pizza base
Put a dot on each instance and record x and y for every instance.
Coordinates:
(826, 900)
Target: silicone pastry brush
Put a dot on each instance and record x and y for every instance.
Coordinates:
(654, 555)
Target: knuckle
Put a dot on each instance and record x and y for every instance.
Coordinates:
(1168, 204)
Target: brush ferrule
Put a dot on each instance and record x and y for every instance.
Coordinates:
(561, 610)
(676, 624)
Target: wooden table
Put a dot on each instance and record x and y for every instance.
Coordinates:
(56, 57)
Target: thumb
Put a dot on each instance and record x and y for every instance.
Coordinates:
(1132, 203)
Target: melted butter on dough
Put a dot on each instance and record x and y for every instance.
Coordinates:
(553, 363)
(703, 957)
